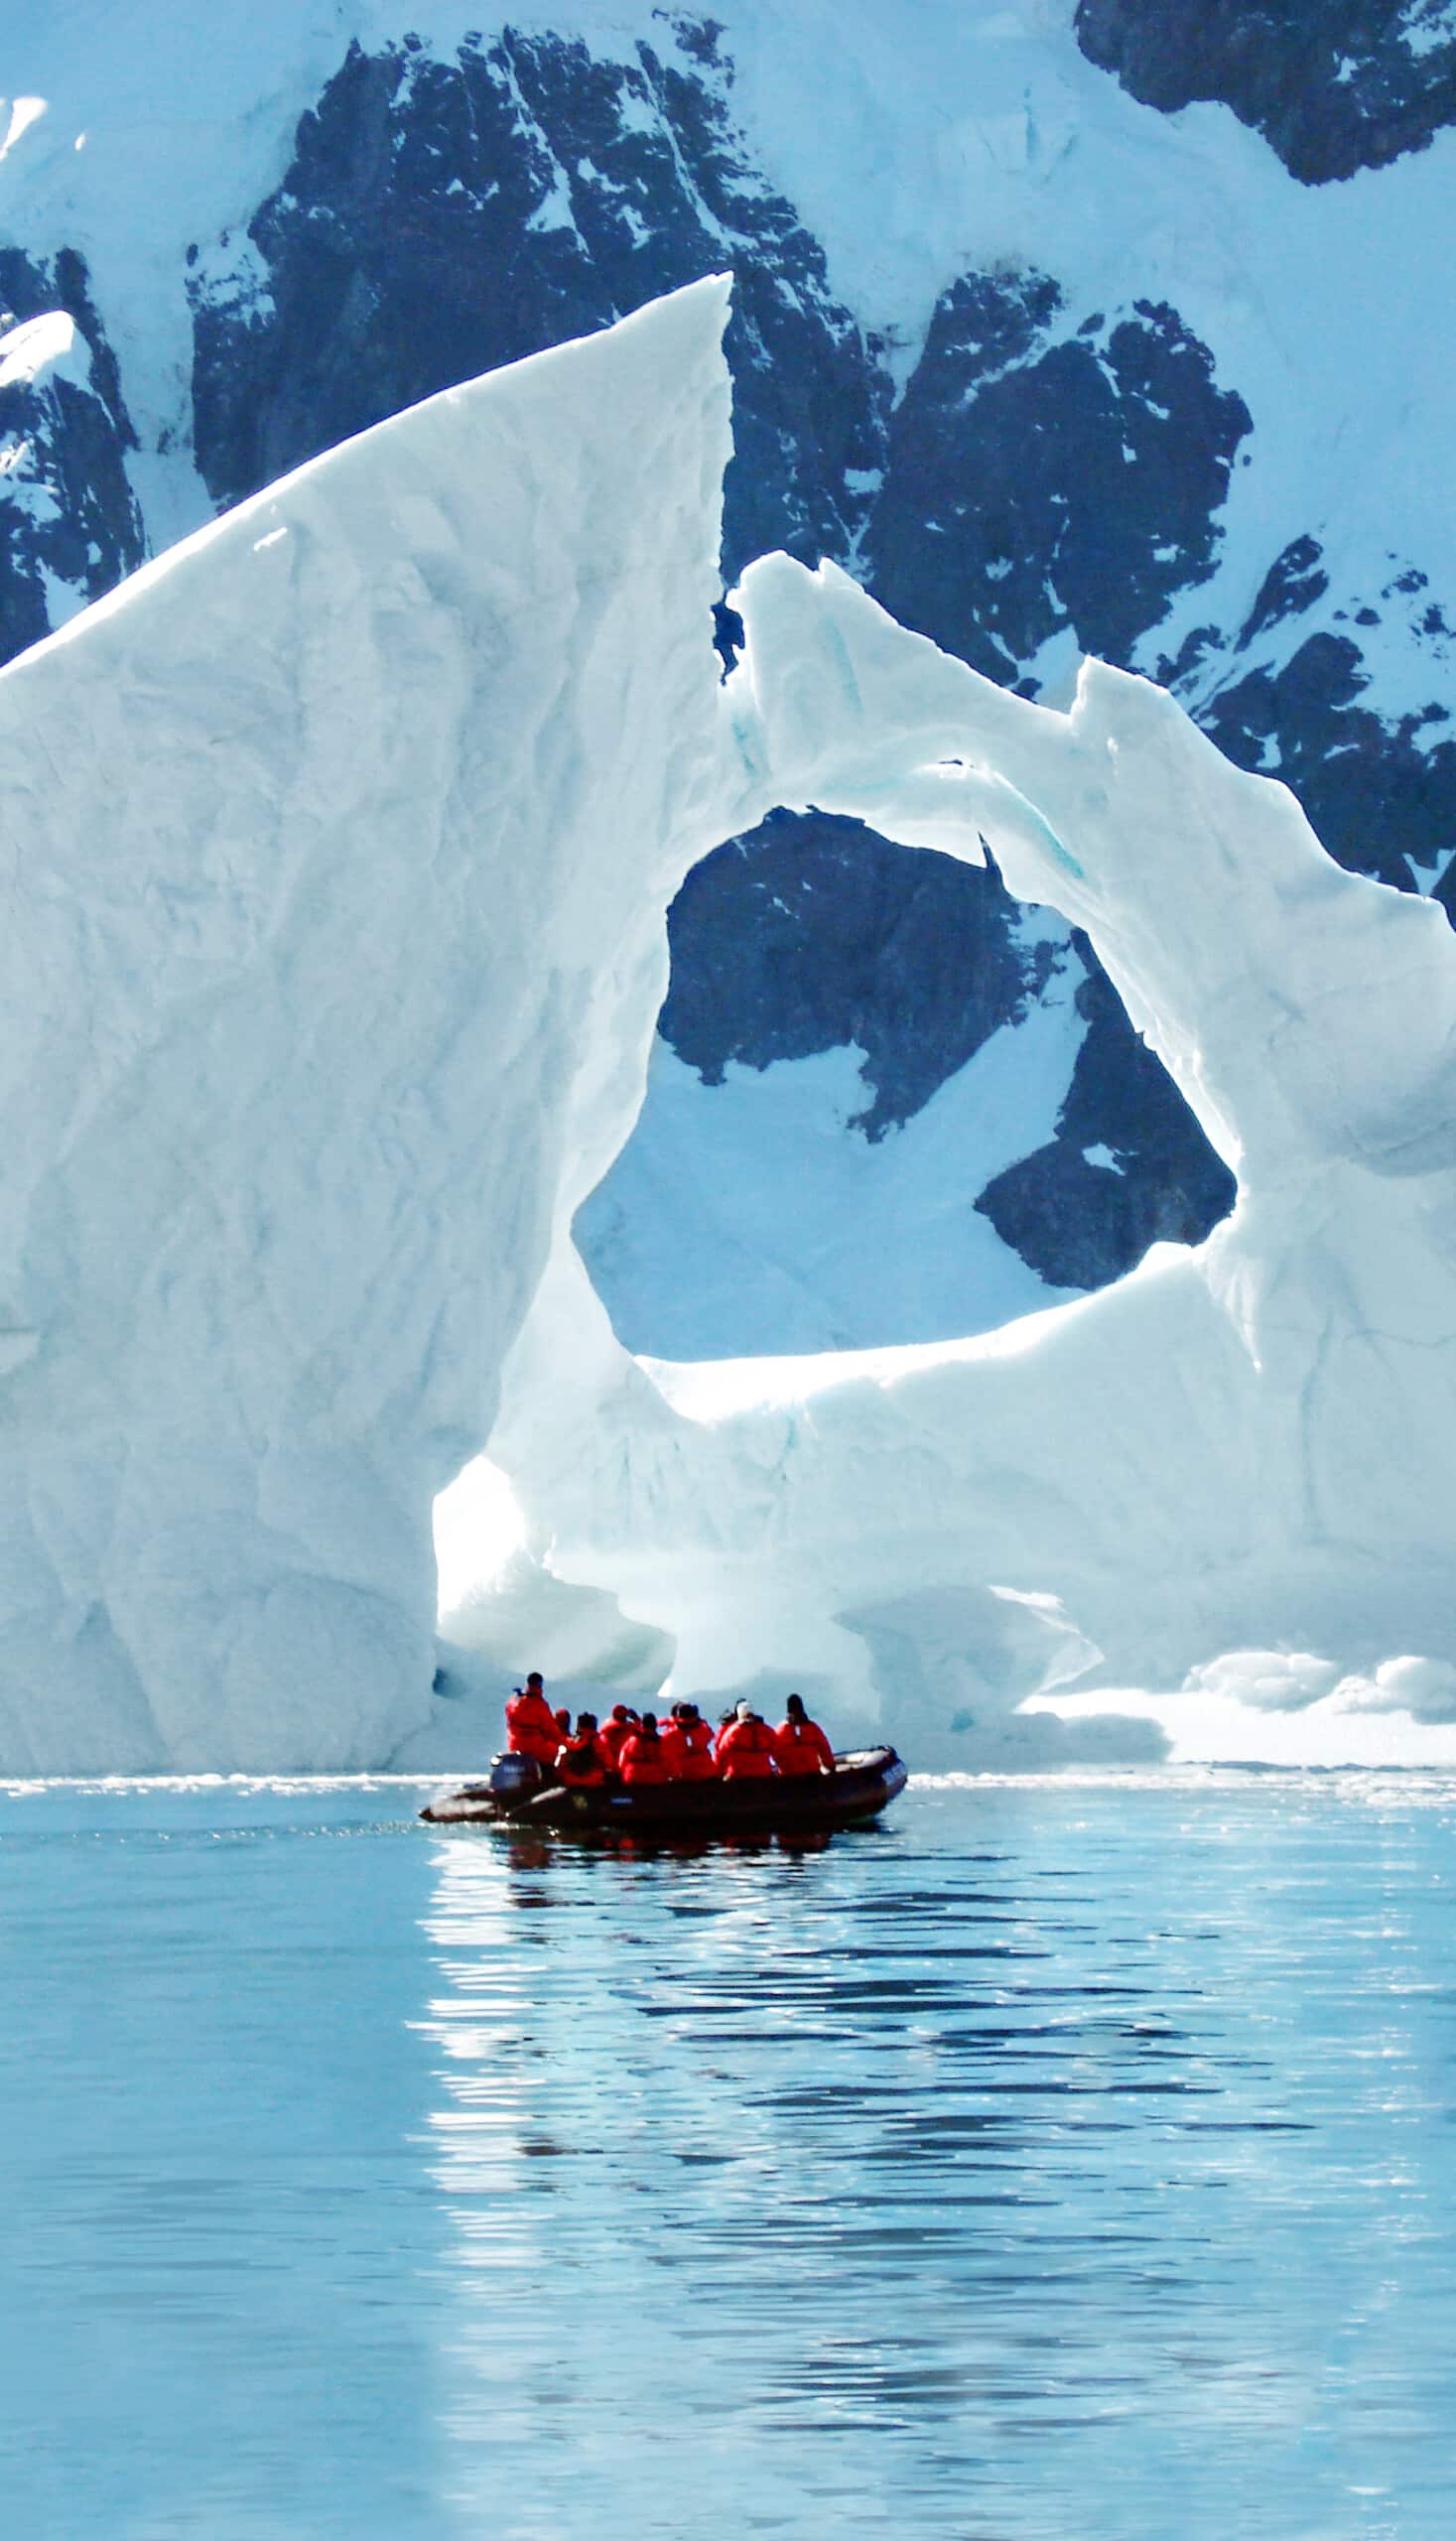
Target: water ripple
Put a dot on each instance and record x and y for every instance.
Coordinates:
(1058, 2163)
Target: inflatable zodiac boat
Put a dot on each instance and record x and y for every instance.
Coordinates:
(521, 1792)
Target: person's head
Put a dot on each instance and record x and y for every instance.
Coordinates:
(649, 1724)
(563, 1720)
(620, 1715)
(744, 1711)
(796, 1708)
(535, 1682)
(585, 1723)
(686, 1712)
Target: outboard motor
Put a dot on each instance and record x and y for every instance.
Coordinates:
(515, 1777)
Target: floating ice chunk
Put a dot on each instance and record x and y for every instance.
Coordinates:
(335, 900)
(1266, 1680)
(1424, 1688)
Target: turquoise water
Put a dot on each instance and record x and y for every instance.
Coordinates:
(1057, 2163)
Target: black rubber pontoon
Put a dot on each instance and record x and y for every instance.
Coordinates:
(862, 1784)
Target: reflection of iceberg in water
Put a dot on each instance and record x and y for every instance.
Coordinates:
(775, 2192)
(481, 2028)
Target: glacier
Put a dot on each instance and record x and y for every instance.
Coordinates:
(339, 847)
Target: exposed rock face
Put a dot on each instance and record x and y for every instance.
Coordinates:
(1332, 84)
(1292, 695)
(1379, 795)
(1047, 478)
(1122, 1173)
(70, 528)
(441, 218)
(812, 932)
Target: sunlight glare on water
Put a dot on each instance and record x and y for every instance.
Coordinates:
(1057, 2160)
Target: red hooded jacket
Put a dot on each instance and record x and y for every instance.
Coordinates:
(800, 1747)
(580, 1762)
(530, 1727)
(642, 1761)
(687, 1746)
(745, 1751)
(614, 1735)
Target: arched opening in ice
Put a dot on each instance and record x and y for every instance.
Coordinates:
(855, 1045)
(886, 1103)
(1241, 1446)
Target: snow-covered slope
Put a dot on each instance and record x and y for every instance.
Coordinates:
(327, 991)
(1052, 368)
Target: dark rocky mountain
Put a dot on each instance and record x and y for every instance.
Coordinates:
(70, 526)
(1047, 475)
(813, 932)
(1047, 479)
(1122, 1172)
(441, 219)
(1332, 84)
(1380, 795)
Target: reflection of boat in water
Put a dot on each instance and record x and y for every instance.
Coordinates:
(523, 1794)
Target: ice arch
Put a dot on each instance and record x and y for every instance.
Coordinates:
(339, 847)
(1247, 1445)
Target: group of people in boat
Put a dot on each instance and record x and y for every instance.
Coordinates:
(639, 1749)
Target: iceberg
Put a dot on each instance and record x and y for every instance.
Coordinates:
(338, 850)
(1240, 1447)
(338, 846)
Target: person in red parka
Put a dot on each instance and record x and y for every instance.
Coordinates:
(725, 1721)
(642, 1760)
(687, 1745)
(578, 1760)
(799, 1744)
(529, 1722)
(745, 1747)
(615, 1733)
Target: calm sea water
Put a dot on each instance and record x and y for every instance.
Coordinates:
(1057, 2163)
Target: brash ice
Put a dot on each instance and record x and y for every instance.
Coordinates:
(339, 851)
